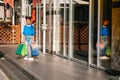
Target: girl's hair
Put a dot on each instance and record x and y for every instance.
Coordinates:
(28, 18)
(105, 19)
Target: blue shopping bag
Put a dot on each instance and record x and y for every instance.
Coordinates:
(35, 51)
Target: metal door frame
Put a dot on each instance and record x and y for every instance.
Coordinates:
(91, 22)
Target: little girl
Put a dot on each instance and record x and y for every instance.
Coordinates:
(104, 35)
(28, 33)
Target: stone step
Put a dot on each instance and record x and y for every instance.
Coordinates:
(26, 72)
(11, 71)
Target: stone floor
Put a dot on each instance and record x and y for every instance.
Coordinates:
(48, 67)
(3, 76)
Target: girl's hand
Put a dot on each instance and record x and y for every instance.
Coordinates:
(33, 39)
(101, 42)
(22, 42)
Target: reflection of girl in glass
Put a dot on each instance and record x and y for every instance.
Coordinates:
(104, 36)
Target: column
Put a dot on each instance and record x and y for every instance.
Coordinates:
(50, 25)
(58, 26)
(23, 14)
(54, 25)
(44, 26)
(70, 29)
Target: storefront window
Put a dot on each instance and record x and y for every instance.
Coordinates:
(64, 29)
(105, 35)
(101, 34)
(80, 31)
(93, 34)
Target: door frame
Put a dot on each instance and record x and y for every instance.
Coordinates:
(91, 22)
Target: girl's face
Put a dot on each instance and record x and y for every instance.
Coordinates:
(105, 23)
(28, 21)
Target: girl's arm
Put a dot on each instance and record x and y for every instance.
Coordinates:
(23, 37)
(108, 38)
(101, 40)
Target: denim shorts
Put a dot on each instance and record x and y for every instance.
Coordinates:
(28, 38)
(28, 42)
(104, 39)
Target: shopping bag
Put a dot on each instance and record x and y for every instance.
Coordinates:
(101, 45)
(35, 50)
(21, 50)
(108, 50)
(24, 51)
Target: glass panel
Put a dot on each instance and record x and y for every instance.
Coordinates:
(61, 30)
(39, 22)
(38, 25)
(64, 30)
(105, 59)
(80, 31)
(49, 30)
(93, 33)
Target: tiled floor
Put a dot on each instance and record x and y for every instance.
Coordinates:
(48, 67)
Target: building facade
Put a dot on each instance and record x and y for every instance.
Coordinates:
(71, 29)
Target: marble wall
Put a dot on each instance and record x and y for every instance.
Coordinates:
(115, 0)
(115, 57)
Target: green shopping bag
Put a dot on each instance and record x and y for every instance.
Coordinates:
(24, 51)
(21, 50)
(108, 50)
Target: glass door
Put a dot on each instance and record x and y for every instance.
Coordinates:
(64, 29)
(93, 32)
(80, 28)
(38, 23)
(99, 20)
(105, 37)
(74, 29)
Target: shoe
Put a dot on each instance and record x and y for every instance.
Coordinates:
(104, 57)
(30, 59)
(2, 58)
(26, 58)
